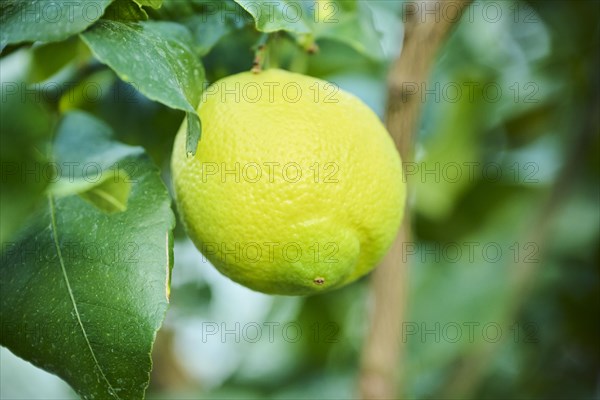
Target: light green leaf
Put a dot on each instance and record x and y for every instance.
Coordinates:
(47, 21)
(150, 3)
(156, 57)
(345, 21)
(289, 15)
(111, 195)
(84, 292)
(355, 27)
(77, 171)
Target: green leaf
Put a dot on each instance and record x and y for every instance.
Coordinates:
(47, 21)
(125, 10)
(355, 27)
(25, 128)
(194, 128)
(209, 28)
(287, 15)
(88, 91)
(111, 195)
(156, 57)
(78, 171)
(84, 292)
(442, 176)
(49, 58)
(208, 20)
(344, 21)
(173, 11)
(150, 3)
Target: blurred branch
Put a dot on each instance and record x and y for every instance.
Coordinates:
(424, 34)
(168, 375)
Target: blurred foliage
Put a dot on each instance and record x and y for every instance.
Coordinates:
(529, 109)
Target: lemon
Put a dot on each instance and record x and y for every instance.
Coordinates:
(296, 186)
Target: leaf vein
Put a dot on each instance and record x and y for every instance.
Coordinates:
(72, 297)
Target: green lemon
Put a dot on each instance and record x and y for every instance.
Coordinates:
(296, 186)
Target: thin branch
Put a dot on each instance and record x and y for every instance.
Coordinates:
(423, 36)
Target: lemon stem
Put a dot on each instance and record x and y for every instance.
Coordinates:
(261, 54)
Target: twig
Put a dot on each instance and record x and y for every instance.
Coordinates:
(382, 352)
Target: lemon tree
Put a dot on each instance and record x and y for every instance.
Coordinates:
(295, 188)
(191, 191)
(87, 227)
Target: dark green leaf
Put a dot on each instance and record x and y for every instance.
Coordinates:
(48, 59)
(25, 127)
(125, 10)
(209, 28)
(84, 292)
(208, 20)
(47, 21)
(89, 91)
(156, 57)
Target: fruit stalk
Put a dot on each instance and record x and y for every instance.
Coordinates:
(260, 53)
